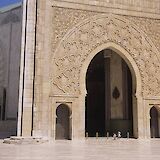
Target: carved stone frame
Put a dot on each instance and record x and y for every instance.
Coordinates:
(136, 79)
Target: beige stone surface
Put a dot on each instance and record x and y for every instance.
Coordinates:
(137, 7)
(88, 150)
(68, 36)
(116, 81)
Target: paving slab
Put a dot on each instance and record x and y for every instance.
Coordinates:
(90, 149)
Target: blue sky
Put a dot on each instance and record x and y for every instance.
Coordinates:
(8, 2)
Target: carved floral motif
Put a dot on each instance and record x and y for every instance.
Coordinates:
(95, 31)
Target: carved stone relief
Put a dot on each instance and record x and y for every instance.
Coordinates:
(62, 24)
(150, 26)
(65, 19)
(93, 32)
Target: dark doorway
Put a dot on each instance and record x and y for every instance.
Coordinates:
(95, 99)
(103, 113)
(154, 123)
(63, 122)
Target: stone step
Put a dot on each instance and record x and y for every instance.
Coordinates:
(25, 140)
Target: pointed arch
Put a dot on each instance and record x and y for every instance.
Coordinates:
(97, 31)
(63, 122)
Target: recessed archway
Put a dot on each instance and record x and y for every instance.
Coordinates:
(109, 106)
(154, 122)
(63, 122)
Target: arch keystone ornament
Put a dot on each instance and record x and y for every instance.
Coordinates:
(94, 32)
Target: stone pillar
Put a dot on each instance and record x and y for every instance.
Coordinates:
(125, 90)
(135, 116)
(147, 122)
(27, 69)
(116, 87)
(140, 117)
(107, 56)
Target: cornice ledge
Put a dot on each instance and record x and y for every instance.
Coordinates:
(109, 8)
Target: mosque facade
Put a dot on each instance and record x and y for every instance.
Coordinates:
(89, 68)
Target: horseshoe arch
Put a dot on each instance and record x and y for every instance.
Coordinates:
(85, 40)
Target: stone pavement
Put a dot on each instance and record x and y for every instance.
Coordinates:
(90, 149)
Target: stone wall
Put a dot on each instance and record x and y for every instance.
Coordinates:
(63, 51)
(139, 5)
(10, 42)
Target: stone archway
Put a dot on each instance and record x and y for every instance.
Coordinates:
(84, 41)
(63, 122)
(109, 108)
(154, 124)
(136, 83)
(154, 112)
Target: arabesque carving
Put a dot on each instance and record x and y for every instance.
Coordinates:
(63, 23)
(150, 26)
(93, 32)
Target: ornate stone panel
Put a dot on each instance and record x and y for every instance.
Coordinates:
(61, 23)
(95, 31)
(150, 26)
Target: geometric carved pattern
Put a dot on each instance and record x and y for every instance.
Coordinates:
(63, 23)
(150, 26)
(93, 32)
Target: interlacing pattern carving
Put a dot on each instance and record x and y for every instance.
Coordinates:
(65, 19)
(98, 30)
(150, 26)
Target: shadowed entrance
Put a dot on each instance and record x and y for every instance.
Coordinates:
(154, 125)
(62, 122)
(109, 96)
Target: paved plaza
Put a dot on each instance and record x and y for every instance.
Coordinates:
(91, 149)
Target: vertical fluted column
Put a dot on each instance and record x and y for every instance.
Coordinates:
(27, 68)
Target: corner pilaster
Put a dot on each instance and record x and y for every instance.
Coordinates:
(27, 69)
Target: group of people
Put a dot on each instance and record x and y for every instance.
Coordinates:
(116, 136)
